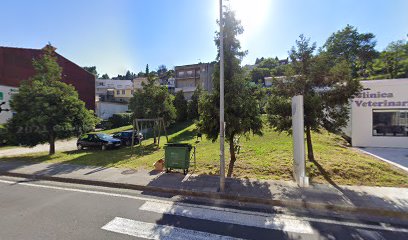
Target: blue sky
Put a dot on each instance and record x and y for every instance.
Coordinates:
(120, 35)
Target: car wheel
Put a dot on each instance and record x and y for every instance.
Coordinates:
(80, 147)
(103, 147)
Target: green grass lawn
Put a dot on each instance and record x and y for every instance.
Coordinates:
(266, 157)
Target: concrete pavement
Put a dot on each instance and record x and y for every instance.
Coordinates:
(46, 210)
(371, 200)
(396, 156)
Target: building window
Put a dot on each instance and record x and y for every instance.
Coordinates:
(390, 122)
(181, 74)
(123, 92)
(118, 92)
(132, 92)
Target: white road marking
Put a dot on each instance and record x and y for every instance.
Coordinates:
(326, 221)
(287, 224)
(156, 231)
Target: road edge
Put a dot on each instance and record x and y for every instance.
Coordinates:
(221, 196)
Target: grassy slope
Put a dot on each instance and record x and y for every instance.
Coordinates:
(266, 157)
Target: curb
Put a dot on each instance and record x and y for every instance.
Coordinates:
(383, 159)
(221, 196)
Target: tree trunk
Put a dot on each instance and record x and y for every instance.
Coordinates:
(310, 154)
(51, 141)
(233, 158)
(154, 134)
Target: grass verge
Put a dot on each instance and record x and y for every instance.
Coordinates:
(265, 157)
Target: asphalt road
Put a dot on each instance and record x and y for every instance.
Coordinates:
(46, 210)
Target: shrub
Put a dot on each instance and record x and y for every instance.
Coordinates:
(120, 119)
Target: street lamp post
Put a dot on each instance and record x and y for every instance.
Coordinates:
(222, 124)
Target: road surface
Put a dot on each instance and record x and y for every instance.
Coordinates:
(47, 210)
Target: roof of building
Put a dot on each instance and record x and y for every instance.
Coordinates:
(16, 65)
(191, 65)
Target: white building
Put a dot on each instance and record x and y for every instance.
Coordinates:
(6, 93)
(379, 115)
(112, 96)
(105, 110)
(106, 88)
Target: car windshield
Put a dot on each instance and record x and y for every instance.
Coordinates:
(103, 136)
(127, 134)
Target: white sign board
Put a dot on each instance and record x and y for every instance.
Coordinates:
(299, 167)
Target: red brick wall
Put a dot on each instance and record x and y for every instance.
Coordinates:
(16, 66)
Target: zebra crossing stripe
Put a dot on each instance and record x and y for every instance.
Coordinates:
(271, 221)
(157, 231)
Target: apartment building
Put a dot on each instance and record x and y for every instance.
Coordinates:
(108, 90)
(137, 82)
(189, 77)
(112, 96)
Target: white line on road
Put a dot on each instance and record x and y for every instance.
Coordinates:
(325, 221)
(156, 231)
(276, 222)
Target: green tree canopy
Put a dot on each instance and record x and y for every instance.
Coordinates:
(105, 76)
(193, 112)
(242, 113)
(46, 108)
(92, 70)
(153, 101)
(354, 47)
(180, 103)
(392, 62)
(326, 89)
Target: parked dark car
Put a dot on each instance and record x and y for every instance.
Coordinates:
(126, 137)
(98, 140)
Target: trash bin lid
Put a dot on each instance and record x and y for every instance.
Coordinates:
(178, 145)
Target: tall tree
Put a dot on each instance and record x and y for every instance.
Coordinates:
(354, 47)
(105, 76)
(46, 108)
(153, 101)
(242, 113)
(180, 103)
(147, 72)
(141, 74)
(92, 70)
(393, 61)
(193, 112)
(326, 89)
(161, 71)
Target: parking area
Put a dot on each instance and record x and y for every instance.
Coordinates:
(395, 156)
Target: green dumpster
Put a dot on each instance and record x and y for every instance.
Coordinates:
(177, 156)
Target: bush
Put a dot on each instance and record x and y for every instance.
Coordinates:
(120, 119)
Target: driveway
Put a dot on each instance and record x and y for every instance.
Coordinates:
(395, 156)
(61, 145)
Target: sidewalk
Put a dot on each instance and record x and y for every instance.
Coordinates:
(384, 201)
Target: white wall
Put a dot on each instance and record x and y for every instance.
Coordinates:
(392, 90)
(105, 110)
(7, 92)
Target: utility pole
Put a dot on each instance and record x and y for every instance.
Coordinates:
(222, 124)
